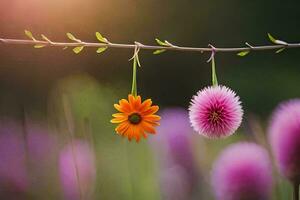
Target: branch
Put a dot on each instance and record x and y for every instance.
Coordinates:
(163, 46)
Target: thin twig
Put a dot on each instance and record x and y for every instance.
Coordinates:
(148, 47)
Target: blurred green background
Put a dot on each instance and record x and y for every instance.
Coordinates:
(262, 79)
(35, 79)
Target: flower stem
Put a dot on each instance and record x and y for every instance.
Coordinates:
(134, 84)
(213, 71)
(296, 191)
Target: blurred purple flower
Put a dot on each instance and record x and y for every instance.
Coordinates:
(242, 171)
(216, 112)
(77, 170)
(13, 170)
(174, 183)
(175, 131)
(284, 136)
(27, 158)
(41, 144)
(42, 158)
(173, 146)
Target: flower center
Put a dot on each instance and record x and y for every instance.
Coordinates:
(215, 116)
(135, 118)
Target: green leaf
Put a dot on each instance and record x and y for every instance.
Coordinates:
(271, 38)
(72, 37)
(168, 43)
(29, 34)
(280, 50)
(101, 49)
(160, 42)
(275, 41)
(38, 46)
(159, 51)
(281, 42)
(101, 38)
(77, 50)
(45, 38)
(243, 53)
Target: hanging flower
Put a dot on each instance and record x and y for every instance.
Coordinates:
(136, 118)
(284, 136)
(242, 171)
(215, 112)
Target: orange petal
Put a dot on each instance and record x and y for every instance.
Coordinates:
(118, 107)
(118, 120)
(137, 133)
(125, 105)
(150, 111)
(125, 134)
(155, 123)
(119, 115)
(129, 132)
(131, 99)
(151, 118)
(145, 105)
(144, 134)
(148, 127)
(122, 128)
(137, 103)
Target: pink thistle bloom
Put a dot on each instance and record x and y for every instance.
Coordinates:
(216, 112)
(284, 137)
(242, 171)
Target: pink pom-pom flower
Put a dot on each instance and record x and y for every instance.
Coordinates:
(216, 112)
(243, 171)
(284, 137)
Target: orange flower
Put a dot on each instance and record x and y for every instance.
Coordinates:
(136, 118)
